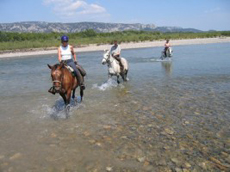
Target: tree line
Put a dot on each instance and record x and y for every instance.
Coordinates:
(14, 40)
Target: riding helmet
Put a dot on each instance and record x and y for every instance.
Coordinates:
(64, 38)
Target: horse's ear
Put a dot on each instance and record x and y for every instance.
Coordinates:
(49, 66)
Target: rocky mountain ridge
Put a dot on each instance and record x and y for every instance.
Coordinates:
(46, 27)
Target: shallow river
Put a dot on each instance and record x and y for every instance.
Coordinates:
(170, 116)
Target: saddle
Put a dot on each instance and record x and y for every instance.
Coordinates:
(79, 67)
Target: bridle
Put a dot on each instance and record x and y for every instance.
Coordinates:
(58, 81)
(108, 59)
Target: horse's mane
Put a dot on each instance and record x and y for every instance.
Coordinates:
(56, 65)
(62, 69)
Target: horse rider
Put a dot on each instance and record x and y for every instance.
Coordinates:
(115, 51)
(167, 45)
(66, 55)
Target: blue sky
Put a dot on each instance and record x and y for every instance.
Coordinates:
(199, 14)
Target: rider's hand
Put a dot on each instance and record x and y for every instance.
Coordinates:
(75, 62)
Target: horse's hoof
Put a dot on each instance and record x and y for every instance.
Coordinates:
(67, 111)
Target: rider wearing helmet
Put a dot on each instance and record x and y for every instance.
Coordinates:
(115, 51)
(167, 45)
(66, 55)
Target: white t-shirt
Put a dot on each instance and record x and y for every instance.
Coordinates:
(65, 53)
(115, 49)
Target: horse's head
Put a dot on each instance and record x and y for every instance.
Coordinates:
(105, 57)
(56, 75)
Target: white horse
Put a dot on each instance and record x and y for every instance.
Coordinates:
(169, 53)
(114, 67)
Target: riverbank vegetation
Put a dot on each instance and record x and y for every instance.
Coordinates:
(15, 41)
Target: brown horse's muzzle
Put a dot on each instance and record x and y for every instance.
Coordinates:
(57, 89)
(57, 86)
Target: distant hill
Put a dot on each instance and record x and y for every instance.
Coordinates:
(45, 27)
(176, 29)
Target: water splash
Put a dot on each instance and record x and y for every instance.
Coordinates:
(57, 111)
(107, 85)
(160, 60)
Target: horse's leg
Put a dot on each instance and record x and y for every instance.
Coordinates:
(125, 77)
(118, 82)
(81, 93)
(64, 97)
(73, 95)
(68, 96)
(122, 76)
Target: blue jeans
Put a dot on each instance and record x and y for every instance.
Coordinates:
(76, 72)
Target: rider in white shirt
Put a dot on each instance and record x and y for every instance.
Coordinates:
(167, 45)
(115, 51)
(66, 55)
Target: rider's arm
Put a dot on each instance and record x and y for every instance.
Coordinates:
(59, 54)
(73, 53)
(118, 51)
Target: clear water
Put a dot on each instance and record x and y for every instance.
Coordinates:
(171, 115)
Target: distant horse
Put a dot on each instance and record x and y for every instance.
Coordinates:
(63, 83)
(114, 67)
(168, 53)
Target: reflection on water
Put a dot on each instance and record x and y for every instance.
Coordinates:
(167, 67)
(170, 116)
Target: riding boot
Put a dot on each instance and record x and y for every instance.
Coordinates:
(80, 80)
(51, 90)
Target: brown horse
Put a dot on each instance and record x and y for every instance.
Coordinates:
(63, 83)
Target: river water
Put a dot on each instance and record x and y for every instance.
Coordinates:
(170, 116)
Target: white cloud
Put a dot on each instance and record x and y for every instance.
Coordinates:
(77, 10)
(93, 8)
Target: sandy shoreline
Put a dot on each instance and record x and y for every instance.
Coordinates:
(123, 46)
